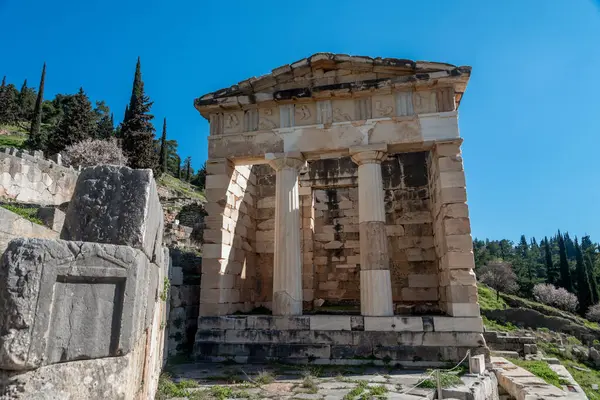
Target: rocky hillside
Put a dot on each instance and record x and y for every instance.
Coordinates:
(560, 338)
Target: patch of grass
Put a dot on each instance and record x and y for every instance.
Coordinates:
(447, 379)
(488, 300)
(541, 370)
(264, 378)
(377, 392)
(29, 213)
(12, 141)
(357, 391)
(167, 388)
(221, 392)
(181, 188)
(492, 325)
(310, 384)
(22, 129)
(585, 379)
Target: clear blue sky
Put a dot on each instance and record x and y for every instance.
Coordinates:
(530, 116)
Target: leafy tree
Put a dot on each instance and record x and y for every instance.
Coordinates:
(137, 130)
(54, 110)
(565, 270)
(584, 291)
(36, 140)
(199, 179)
(77, 124)
(163, 157)
(91, 152)
(499, 276)
(104, 124)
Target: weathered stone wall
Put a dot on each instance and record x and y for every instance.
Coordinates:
(452, 231)
(14, 226)
(229, 252)
(91, 309)
(28, 178)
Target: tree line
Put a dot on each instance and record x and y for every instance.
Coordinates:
(571, 264)
(68, 119)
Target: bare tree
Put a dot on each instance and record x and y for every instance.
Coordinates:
(499, 276)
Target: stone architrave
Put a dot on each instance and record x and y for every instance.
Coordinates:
(65, 301)
(375, 279)
(287, 273)
(116, 205)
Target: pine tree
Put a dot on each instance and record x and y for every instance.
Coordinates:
(137, 130)
(163, 148)
(25, 102)
(551, 272)
(584, 291)
(565, 271)
(77, 124)
(104, 124)
(35, 140)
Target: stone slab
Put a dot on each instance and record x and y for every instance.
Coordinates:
(396, 324)
(116, 205)
(457, 324)
(330, 322)
(64, 301)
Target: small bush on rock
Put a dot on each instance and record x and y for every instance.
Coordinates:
(593, 313)
(555, 297)
(90, 152)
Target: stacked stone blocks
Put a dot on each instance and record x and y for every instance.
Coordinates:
(454, 246)
(228, 267)
(338, 339)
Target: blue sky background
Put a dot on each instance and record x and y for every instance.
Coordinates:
(530, 116)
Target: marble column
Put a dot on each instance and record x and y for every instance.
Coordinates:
(375, 280)
(287, 273)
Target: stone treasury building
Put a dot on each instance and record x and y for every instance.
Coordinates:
(337, 226)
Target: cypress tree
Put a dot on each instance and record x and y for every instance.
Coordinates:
(3, 83)
(163, 148)
(35, 140)
(551, 273)
(188, 168)
(77, 124)
(589, 267)
(178, 167)
(565, 271)
(584, 291)
(137, 129)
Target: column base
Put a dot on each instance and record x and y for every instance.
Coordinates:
(284, 304)
(376, 293)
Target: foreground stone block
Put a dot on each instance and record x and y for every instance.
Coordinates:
(64, 301)
(116, 205)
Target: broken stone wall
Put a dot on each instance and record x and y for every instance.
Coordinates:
(14, 226)
(84, 318)
(29, 178)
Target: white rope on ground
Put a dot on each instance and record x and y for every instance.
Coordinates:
(434, 371)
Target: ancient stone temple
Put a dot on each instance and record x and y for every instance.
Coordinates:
(337, 209)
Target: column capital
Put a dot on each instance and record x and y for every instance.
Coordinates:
(279, 161)
(368, 154)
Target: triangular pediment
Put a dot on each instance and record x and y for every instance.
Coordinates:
(325, 73)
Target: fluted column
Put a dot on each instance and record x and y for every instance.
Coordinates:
(375, 280)
(287, 273)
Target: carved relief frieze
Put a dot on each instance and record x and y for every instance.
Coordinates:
(383, 106)
(343, 110)
(267, 118)
(305, 114)
(362, 108)
(233, 121)
(324, 113)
